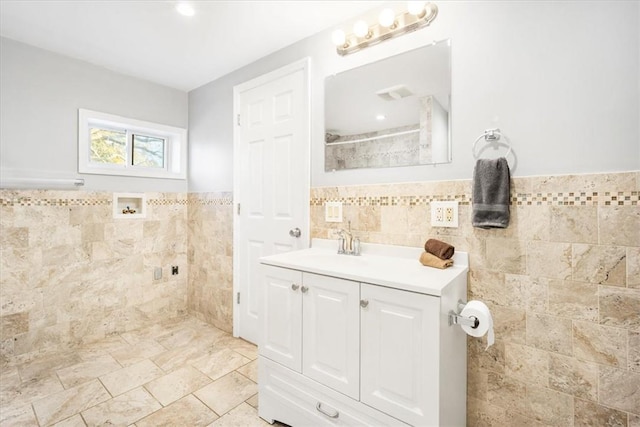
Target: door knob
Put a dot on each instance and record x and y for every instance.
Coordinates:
(364, 303)
(295, 287)
(295, 232)
(304, 289)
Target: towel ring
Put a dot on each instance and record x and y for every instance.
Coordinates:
(491, 135)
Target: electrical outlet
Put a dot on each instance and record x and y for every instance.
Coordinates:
(174, 270)
(444, 213)
(333, 211)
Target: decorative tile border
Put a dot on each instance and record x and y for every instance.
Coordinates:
(622, 198)
(30, 201)
(166, 202)
(216, 201)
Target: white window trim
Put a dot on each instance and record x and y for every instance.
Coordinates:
(175, 146)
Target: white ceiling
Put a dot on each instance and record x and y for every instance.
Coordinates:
(150, 40)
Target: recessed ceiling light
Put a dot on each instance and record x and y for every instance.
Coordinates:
(185, 9)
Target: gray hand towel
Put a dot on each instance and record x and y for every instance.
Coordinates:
(491, 198)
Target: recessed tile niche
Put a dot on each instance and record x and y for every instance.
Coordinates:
(129, 205)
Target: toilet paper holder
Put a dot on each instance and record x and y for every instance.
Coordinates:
(456, 319)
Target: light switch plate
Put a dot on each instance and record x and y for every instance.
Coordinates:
(333, 211)
(444, 213)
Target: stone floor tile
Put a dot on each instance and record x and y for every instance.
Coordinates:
(179, 383)
(21, 416)
(188, 411)
(64, 404)
(24, 393)
(75, 421)
(125, 379)
(138, 352)
(220, 362)
(250, 370)
(228, 392)
(123, 410)
(87, 370)
(242, 415)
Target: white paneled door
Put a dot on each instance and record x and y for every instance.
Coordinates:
(271, 181)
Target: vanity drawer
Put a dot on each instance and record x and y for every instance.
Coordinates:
(310, 403)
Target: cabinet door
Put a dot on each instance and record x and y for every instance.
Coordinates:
(331, 337)
(399, 372)
(281, 317)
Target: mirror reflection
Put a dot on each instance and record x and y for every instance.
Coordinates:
(394, 112)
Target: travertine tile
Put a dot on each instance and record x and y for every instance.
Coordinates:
(549, 333)
(481, 413)
(492, 358)
(46, 365)
(618, 388)
(476, 381)
(88, 370)
(571, 376)
(590, 414)
(250, 370)
(509, 324)
(75, 421)
(506, 392)
(21, 416)
(620, 307)
(125, 379)
(14, 324)
(64, 404)
(188, 411)
(179, 383)
(138, 352)
(178, 356)
(550, 407)
(239, 345)
(220, 362)
(242, 415)
(634, 420)
(99, 348)
(24, 393)
(527, 364)
(253, 401)
(634, 351)
(601, 344)
(633, 267)
(551, 260)
(619, 225)
(227, 392)
(573, 224)
(576, 300)
(506, 255)
(123, 410)
(529, 293)
(605, 265)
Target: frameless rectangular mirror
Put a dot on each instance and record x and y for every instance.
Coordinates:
(393, 112)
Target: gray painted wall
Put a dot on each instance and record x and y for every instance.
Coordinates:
(560, 79)
(41, 93)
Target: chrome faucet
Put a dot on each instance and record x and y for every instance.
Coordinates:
(347, 244)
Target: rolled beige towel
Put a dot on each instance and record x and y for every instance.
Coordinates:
(440, 249)
(431, 260)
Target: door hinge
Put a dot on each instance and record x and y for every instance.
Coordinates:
(238, 119)
(238, 209)
(238, 298)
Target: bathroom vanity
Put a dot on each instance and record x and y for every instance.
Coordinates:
(361, 340)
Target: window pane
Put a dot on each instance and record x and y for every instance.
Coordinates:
(108, 146)
(148, 151)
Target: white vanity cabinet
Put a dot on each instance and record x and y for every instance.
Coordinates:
(311, 325)
(341, 346)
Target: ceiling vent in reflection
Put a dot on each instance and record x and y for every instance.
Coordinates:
(395, 92)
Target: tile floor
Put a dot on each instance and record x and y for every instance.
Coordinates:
(185, 373)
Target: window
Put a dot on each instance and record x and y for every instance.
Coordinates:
(113, 145)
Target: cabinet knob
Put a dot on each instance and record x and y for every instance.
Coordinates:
(304, 289)
(364, 303)
(294, 286)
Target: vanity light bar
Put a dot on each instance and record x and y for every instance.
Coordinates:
(403, 23)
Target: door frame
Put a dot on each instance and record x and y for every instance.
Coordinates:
(303, 65)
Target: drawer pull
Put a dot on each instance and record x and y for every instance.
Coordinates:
(336, 414)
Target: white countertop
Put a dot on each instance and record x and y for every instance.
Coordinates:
(386, 265)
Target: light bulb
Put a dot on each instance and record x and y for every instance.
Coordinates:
(387, 18)
(360, 28)
(185, 9)
(338, 37)
(415, 7)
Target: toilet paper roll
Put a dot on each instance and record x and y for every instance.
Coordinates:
(480, 311)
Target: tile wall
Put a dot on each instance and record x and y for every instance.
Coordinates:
(562, 282)
(70, 273)
(210, 254)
